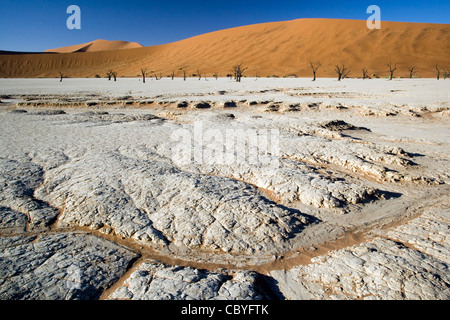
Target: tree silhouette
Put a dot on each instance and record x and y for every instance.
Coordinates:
(184, 73)
(342, 71)
(315, 66)
(392, 70)
(365, 73)
(412, 71)
(238, 71)
(143, 72)
(438, 72)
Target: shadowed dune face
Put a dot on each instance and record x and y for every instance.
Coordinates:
(278, 48)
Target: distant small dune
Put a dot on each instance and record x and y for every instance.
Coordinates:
(97, 45)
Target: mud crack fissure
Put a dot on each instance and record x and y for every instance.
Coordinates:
(225, 192)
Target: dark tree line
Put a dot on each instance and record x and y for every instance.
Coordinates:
(342, 71)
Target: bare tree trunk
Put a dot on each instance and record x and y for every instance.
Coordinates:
(392, 70)
(412, 71)
(114, 74)
(143, 72)
(238, 71)
(438, 72)
(315, 67)
(173, 74)
(61, 76)
(109, 75)
(199, 75)
(184, 73)
(365, 73)
(342, 72)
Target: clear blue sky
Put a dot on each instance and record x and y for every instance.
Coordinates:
(36, 25)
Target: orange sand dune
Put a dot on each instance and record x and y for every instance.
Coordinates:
(97, 45)
(277, 48)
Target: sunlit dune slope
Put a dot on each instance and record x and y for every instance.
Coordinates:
(277, 48)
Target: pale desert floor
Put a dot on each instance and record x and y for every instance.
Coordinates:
(339, 190)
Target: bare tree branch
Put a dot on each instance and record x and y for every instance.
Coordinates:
(238, 71)
(412, 71)
(143, 72)
(109, 74)
(391, 70)
(438, 72)
(315, 66)
(365, 73)
(184, 72)
(342, 71)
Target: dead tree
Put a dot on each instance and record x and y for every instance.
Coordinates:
(438, 72)
(184, 73)
(114, 74)
(392, 70)
(315, 67)
(143, 72)
(61, 76)
(172, 74)
(109, 75)
(156, 76)
(365, 73)
(199, 75)
(216, 75)
(342, 71)
(412, 71)
(238, 71)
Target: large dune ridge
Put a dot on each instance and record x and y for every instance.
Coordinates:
(277, 48)
(97, 45)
